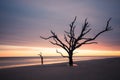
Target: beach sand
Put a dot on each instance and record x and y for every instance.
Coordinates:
(103, 69)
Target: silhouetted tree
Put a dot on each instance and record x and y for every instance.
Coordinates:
(72, 41)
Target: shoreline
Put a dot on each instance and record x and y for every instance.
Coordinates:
(47, 63)
(101, 69)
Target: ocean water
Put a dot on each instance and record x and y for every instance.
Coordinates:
(11, 62)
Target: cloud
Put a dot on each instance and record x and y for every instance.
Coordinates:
(22, 22)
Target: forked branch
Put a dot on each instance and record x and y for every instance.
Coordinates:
(88, 40)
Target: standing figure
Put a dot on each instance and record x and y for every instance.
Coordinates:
(41, 57)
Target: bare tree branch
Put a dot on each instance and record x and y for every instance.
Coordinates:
(47, 37)
(91, 43)
(66, 39)
(108, 28)
(56, 39)
(87, 31)
(61, 54)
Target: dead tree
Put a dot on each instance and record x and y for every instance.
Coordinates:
(41, 57)
(72, 41)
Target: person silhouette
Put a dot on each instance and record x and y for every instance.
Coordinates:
(41, 57)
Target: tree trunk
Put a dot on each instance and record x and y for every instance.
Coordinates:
(70, 59)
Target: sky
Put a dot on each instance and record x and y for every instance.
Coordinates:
(23, 21)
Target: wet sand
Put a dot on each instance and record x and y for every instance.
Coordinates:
(102, 69)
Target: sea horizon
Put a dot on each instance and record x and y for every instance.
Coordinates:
(11, 62)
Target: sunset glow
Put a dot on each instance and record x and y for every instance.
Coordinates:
(22, 22)
(18, 51)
